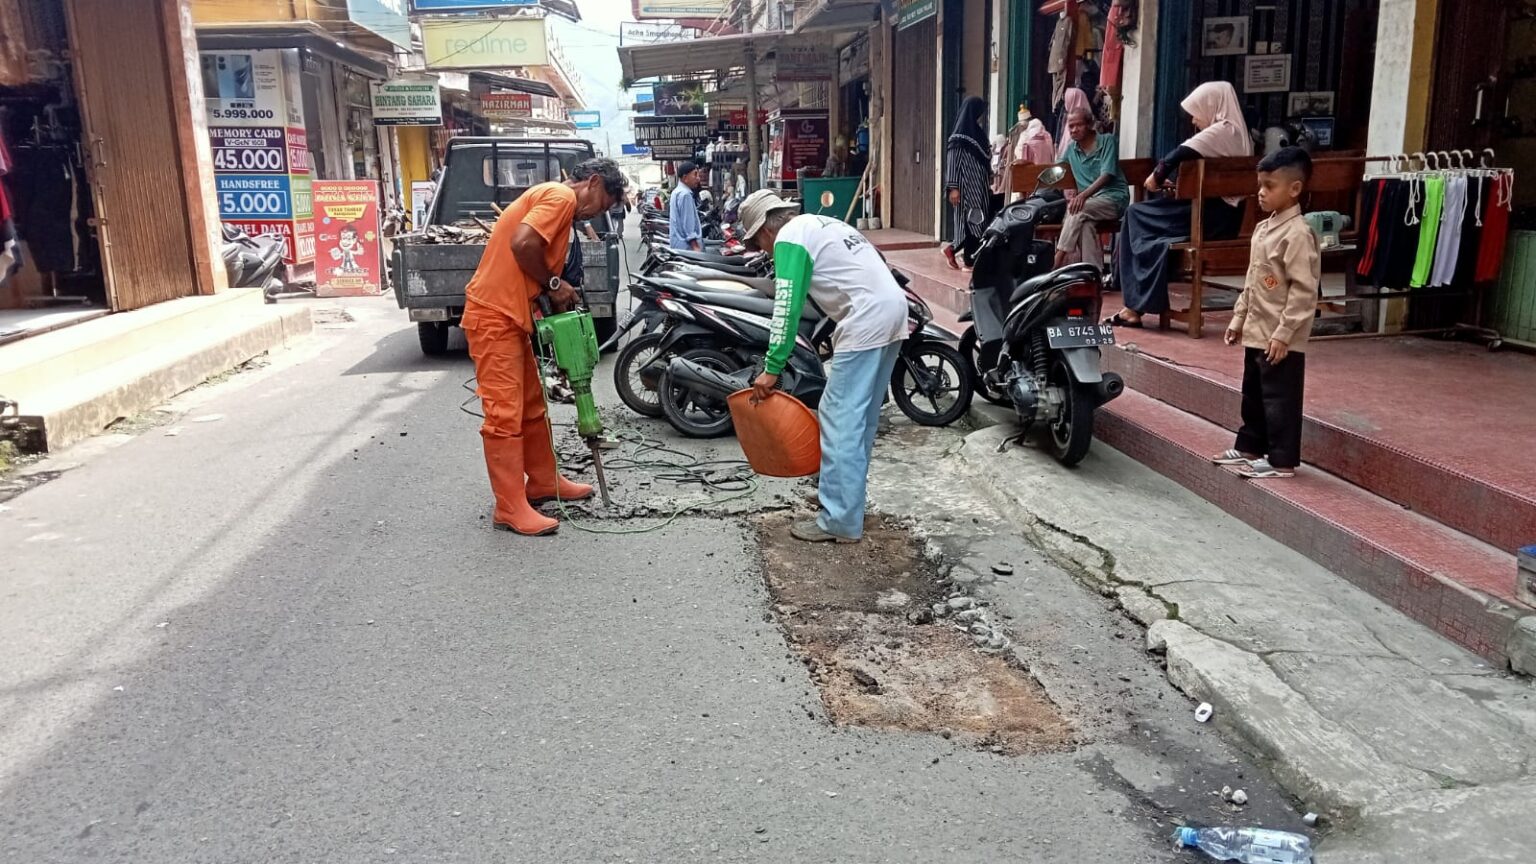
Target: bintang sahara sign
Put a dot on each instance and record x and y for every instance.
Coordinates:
(406, 103)
(671, 138)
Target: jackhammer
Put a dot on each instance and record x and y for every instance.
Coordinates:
(572, 339)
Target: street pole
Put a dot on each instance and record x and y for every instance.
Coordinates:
(754, 133)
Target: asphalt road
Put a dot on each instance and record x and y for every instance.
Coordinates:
(272, 624)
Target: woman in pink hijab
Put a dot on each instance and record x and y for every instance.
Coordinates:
(1149, 228)
(1072, 100)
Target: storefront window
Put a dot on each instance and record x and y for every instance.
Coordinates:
(362, 143)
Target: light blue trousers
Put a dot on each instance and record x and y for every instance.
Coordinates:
(849, 415)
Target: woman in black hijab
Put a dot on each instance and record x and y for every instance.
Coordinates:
(968, 180)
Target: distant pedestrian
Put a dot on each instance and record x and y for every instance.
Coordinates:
(1273, 319)
(683, 229)
(968, 181)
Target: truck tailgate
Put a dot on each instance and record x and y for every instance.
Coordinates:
(434, 274)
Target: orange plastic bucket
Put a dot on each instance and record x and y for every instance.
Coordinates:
(779, 435)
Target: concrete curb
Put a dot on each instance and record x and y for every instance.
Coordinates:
(83, 408)
(1315, 759)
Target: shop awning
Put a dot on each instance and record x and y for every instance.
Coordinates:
(715, 54)
(303, 34)
(515, 85)
(832, 15)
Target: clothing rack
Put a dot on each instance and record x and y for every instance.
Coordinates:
(1434, 225)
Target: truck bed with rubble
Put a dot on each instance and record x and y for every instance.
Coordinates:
(433, 264)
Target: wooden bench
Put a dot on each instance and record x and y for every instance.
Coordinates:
(1026, 175)
(1336, 184)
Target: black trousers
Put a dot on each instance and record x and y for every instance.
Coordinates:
(1272, 407)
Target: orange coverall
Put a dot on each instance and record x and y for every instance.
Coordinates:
(498, 321)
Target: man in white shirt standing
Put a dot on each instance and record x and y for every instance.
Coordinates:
(844, 275)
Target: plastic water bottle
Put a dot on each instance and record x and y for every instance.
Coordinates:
(1247, 845)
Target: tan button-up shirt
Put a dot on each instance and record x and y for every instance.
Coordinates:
(1279, 297)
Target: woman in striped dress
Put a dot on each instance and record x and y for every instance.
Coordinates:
(968, 180)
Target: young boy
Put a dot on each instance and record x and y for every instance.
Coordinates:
(1273, 319)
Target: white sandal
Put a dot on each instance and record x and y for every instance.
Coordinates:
(1260, 469)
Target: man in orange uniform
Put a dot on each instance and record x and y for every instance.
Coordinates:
(523, 261)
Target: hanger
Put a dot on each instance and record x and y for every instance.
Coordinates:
(1488, 157)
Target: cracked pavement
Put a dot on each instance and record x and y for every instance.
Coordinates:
(1361, 712)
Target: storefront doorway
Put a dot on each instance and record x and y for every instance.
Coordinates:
(915, 153)
(1484, 94)
(95, 176)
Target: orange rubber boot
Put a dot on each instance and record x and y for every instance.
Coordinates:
(544, 481)
(504, 464)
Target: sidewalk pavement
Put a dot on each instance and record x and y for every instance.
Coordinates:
(1410, 744)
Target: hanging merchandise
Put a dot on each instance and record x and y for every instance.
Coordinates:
(1443, 226)
(1496, 226)
(1061, 49)
(10, 248)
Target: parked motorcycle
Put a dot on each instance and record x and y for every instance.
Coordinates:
(253, 262)
(1036, 333)
(635, 376)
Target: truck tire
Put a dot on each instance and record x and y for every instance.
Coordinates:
(433, 336)
(605, 328)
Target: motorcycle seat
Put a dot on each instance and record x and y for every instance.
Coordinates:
(708, 257)
(1056, 278)
(755, 305)
(764, 287)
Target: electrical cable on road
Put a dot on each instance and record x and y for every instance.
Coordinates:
(732, 476)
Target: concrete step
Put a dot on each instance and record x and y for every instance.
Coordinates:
(1503, 515)
(1454, 583)
(72, 383)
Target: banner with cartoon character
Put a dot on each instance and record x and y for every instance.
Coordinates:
(348, 260)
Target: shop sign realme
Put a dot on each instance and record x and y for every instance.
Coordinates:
(484, 43)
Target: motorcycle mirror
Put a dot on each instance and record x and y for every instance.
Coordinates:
(1050, 177)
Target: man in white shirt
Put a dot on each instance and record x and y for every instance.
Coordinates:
(844, 275)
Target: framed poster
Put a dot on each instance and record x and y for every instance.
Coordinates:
(1321, 129)
(348, 261)
(1310, 104)
(1221, 37)
(1267, 74)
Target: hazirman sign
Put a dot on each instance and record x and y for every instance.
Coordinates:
(483, 43)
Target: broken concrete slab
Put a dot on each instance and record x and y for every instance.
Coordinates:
(1522, 646)
(1377, 698)
(1485, 824)
(1317, 759)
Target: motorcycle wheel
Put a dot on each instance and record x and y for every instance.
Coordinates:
(970, 349)
(695, 415)
(932, 384)
(1072, 431)
(643, 400)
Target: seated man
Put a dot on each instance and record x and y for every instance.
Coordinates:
(1102, 193)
